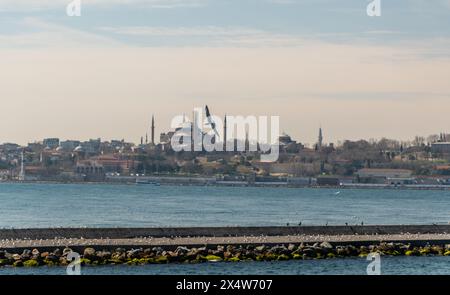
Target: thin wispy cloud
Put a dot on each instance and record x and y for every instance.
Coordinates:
(182, 31)
(242, 56)
(33, 5)
(38, 33)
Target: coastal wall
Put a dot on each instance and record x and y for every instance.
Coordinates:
(127, 233)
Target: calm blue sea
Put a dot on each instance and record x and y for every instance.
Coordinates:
(91, 205)
(347, 266)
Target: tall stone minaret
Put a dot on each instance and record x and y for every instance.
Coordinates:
(247, 142)
(320, 142)
(225, 133)
(153, 129)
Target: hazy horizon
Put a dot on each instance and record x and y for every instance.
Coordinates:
(313, 63)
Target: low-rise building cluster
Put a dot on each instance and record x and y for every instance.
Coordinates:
(364, 162)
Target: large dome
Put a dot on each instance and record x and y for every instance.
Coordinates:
(79, 149)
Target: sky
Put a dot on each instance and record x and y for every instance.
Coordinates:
(314, 63)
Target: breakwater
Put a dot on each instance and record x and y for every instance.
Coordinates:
(221, 253)
(100, 246)
(127, 233)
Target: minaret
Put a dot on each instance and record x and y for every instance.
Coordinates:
(153, 130)
(319, 144)
(193, 129)
(225, 133)
(247, 142)
(22, 169)
(146, 138)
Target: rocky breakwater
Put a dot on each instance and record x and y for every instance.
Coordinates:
(230, 253)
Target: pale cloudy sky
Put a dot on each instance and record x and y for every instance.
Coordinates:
(313, 62)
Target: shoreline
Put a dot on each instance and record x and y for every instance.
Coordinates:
(251, 185)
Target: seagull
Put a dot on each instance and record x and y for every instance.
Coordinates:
(210, 121)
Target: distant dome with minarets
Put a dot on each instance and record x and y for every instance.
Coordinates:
(285, 139)
(79, 149)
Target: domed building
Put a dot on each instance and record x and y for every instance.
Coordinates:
(79, 149)
(285, 139)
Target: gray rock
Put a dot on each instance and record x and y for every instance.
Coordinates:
(52, 258)
(326, 245)
(250, 247)
(341, 250)
(26, 254)
(120, 250)
(57, 252)
(230, 248)
(66, 251)
(192, 254)
(202, 251)
(103, 254)
(16, 257)
(261, 248)
(157, 250)
(182, 250)
(89, 253)
(135, 253)
(309, 252)
(279, 250)
(292, 247)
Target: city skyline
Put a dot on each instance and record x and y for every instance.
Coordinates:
(313, 63)
(151, 136)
